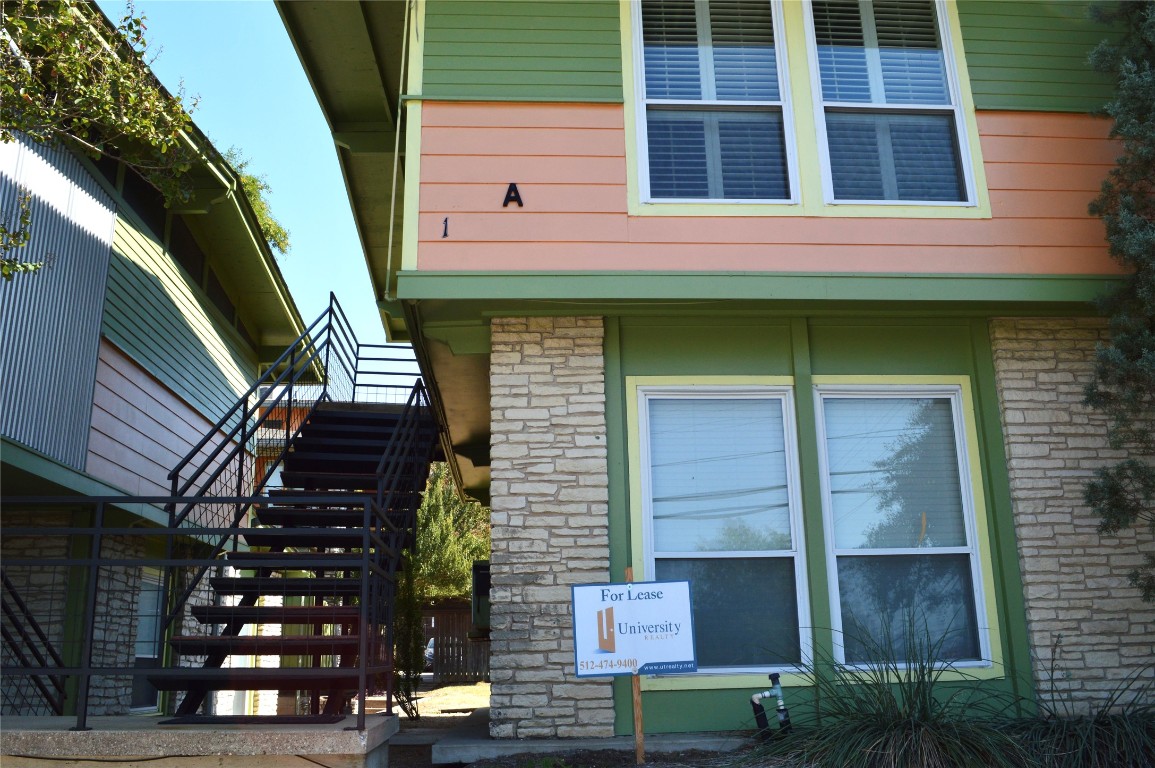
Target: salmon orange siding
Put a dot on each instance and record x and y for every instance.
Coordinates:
(569, 163)
(140, 429)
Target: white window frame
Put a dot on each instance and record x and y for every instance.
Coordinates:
(955, 108)
(974, 545)
(785, 396)
(152, 580)
(783, 106)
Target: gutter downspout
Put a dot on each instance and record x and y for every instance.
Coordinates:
(389, 294)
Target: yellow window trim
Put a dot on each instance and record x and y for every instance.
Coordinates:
(802, 110)
(633, 441)
(978, 495)
(411, 113)
(991, 669)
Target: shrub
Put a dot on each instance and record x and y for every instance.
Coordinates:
(895, 712)
(1119, 733)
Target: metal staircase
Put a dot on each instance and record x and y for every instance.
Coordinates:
(306, 582)
(285, 531)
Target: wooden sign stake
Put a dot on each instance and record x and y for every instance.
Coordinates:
(636, 687)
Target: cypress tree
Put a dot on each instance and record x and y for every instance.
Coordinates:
(1123, 387)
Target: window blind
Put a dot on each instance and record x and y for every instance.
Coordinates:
(742, 47)
(897, 156)
(887, 54)
(698, 57)
(670, 42)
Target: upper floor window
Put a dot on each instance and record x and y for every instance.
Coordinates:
(715, 119)
(889, 110)
(714, 103)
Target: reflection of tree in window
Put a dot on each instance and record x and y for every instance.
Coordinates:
(720, 506)
(919, 486)
(910, 499)
(738, 536)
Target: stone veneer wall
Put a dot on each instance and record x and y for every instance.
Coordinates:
(1088, 628)
(549, 497)
(46, 590)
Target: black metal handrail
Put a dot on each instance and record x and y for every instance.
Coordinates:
(23, 622)
(370, 563)
(216, 484)
(323, 364)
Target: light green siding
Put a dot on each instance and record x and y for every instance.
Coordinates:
(523, 49)
(1032, 55)
(161, 321)
(1022, 54)
(803, 347)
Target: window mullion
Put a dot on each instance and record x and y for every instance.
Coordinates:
(706, 50)
(886, 160)
(714, 179)
(873, 56)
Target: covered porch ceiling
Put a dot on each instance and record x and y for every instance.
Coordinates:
(352, 56)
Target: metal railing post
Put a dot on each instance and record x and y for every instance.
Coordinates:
(365, 624)
(87, 628)
(328, 346)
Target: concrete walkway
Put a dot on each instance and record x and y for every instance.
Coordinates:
(40, 741)
(470, 742)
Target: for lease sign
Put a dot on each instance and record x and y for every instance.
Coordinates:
(641, 628)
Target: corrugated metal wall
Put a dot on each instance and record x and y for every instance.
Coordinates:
(50, 320)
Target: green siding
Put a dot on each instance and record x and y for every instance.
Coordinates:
(154, 314)
(805, 346)
(1022, 54)
(523, 49)
(1032, 55)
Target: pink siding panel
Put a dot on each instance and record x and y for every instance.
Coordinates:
(788, 257)
(540, 198)
(522, 141)
(568, 162)
(493, 169)
(140, 429)
(501, 115)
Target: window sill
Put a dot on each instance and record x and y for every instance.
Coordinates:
(855, 209)
(755, 681)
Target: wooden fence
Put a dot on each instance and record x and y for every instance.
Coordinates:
(457, 657)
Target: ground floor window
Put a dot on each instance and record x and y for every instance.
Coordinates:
(722, 512)
(899, 521)
(721, 505)
(148, 636)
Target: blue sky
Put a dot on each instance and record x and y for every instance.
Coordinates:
(237, 58)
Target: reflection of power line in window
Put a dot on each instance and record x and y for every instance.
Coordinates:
(719, 512)
(721, 494)
(722, 457)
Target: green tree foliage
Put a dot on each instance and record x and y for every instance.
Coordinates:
(65, 77)
(408, 641)
(451, 534)
(1123, 494)
(15, 231)
(257, 190)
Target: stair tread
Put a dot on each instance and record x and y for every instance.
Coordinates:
(304, 561)
(307, 520)
(265, 645)
(296, 587)
(250, 678)
(253, 720)
(268, 614)
(314, 537)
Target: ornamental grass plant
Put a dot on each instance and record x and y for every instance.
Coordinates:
(898, 710)
(1117, 733)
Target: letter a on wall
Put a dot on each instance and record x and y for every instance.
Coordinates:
(512, 196)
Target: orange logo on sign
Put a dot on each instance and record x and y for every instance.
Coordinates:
(606, 639)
